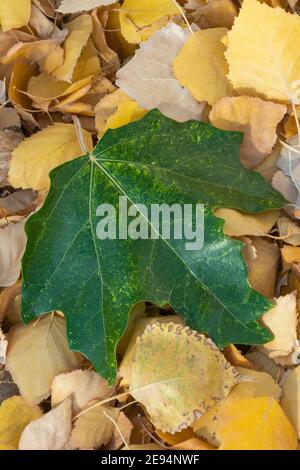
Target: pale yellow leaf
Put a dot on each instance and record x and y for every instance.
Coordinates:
(138, 328)
(37, 155)
(37, 353)
(282, 321)
(239, 223)
(264, 51)
(149, 78)
(257, 119)
(122, 432)
(51, 431)
(40, 23)
(201, 67)
(291, 398)
(93, 428)
(14, 14)
(83, 385)
(15, 415)
(136, 16)
(79, 32)
(74, 6)
(12, 246)
(255, 384)
(178, 374)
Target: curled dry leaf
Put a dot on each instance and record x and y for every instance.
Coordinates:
(149, 78)
(262, 28)
(7, 298)
(262, 258)
(51, 431)
(267, 427)
(12, 246)
(94, 428)
(201, 67)
(178, 374)
(80, 30)
(238, 224)
(256, 118)
(264, 363)
(282, 321)
(15, 415)
(289, 231)
(291, 398)
(214, 14)
(37, 155)
(83, 385)
(39, 350)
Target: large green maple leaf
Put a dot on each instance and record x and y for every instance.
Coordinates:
(96, 282)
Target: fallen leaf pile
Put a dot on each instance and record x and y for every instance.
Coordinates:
(141, 344)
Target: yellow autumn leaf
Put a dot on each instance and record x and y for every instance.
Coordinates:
(39, 350)
(257, 423)
(37, 155)
(257, 119)
(127, 112)
(264, 51)
(80, 30)
(15, 414)
(178, 374)
(201, 66)
(139, 19)
(14, 14)
(46, 88)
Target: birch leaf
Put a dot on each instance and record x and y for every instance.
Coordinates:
(149, 78)
(261, 55)
(201, 67)
(15, 415)
(83, 385)
(51, 431)
(37, 155)
(178, 375)
(80, 30)
(39, 350)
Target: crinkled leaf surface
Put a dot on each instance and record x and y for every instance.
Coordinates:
(96, 283)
